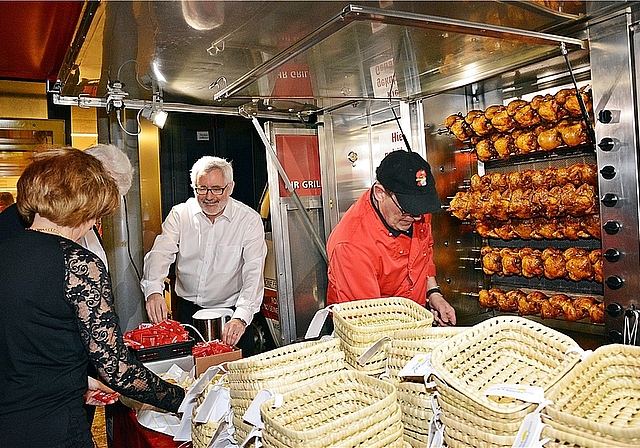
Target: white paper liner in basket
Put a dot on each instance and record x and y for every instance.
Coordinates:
(601, 395)
(344, 409)
(504, 350)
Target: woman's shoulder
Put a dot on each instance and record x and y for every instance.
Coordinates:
(77, 252)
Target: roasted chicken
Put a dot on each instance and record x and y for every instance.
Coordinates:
(540, 228)
(571, 264)
(549, 307)
(522, 127)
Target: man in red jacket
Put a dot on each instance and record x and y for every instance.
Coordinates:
(383, 245)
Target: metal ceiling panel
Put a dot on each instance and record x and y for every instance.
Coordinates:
(303, 56)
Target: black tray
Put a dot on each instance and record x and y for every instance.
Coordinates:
(166, 351)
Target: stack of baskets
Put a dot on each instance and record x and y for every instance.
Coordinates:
(279, 370)
(414, 397)
(201, 433)
(502, 350)
(361, 323)
(345, 409)
(597, 404)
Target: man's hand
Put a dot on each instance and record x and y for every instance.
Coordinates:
(156, 308)
(98, 394)
(233, 331)
(443, 313)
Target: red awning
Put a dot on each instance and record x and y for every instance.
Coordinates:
(35, 36)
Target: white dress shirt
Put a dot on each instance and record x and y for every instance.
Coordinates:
(91, 241)
(218, 265)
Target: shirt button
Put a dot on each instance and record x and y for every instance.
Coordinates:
(401, 251)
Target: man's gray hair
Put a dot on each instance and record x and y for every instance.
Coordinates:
(207, 164)
(117, 164)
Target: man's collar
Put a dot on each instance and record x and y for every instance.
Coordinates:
(395, 232)
(227, 212)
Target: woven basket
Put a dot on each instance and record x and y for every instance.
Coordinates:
(242, 428)
(414, 397)
(560, 439)
(415, 402)
(283, 368)
(601, 396)
(455, 438)
(405, 344)
(374, 365)
(503, 350)
(456, 403)
(360, 323)
(474, 432)
(201, 433)
(345, 409)
(562, 435)
(415, 439)
(279, 370)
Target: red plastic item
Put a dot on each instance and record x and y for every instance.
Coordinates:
(106, 397)
(202, 349)
(150, 335)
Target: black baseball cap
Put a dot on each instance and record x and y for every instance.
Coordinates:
(409, 176)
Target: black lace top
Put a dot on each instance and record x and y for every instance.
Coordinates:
(56, 314)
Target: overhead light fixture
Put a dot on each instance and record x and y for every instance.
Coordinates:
(159, 118)
(154, 111)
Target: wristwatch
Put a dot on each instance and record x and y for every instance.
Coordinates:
(435, 290)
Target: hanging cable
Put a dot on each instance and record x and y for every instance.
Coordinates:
(133, 134)
(583, 107)
(126, 223)
(404, 137)
(137, 73)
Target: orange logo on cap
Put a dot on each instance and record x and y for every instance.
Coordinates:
(421, 178)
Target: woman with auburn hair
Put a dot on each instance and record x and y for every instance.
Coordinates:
(56, 309)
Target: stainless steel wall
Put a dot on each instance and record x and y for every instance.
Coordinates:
(613, 51)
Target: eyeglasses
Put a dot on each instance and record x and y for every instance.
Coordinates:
(216, 191)
(391, 195)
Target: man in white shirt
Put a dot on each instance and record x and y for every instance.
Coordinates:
(219, 249)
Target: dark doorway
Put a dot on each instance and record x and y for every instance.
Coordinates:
(187, 137)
